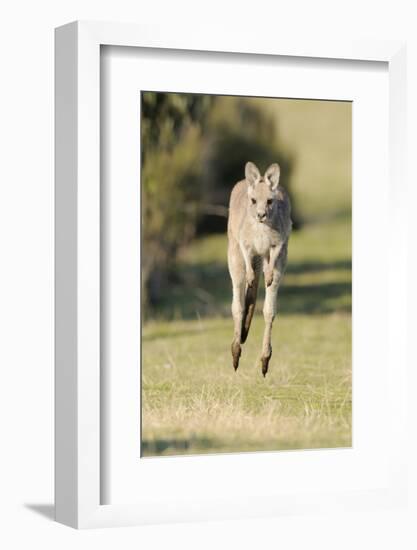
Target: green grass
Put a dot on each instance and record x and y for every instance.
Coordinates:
(318, 277)
(193, 401)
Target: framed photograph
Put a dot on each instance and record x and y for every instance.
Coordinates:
(229, 252)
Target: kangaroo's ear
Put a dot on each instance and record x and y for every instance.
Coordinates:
(252, 173)
(272, 176)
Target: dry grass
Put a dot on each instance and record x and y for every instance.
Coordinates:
(193, 402)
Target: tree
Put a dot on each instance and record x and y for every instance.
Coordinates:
(172, 163)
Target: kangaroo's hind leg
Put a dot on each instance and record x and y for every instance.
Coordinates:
(250, 298)
(270, 306)
(238, 275)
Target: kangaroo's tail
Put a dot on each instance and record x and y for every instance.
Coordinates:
(250, 301)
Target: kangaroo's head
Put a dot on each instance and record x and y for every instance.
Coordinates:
(262, 191)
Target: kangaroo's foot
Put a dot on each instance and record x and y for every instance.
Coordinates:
(236, 352)
(265, 361)
(250, 277)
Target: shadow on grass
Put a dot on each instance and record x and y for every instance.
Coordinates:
(205, 446)
(205, 290)
(318, 298)
(315, 267)
(156, 334)
(181, 446)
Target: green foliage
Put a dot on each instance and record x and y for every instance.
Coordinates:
(166, 116)
(171, 162)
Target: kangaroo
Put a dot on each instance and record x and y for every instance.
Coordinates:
(259, 228)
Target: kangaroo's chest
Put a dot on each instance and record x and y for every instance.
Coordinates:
(263, 239)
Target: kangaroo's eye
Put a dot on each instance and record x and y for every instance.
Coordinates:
(269, 201)
(253, 201)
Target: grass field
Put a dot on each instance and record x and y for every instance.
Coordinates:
(194, 402)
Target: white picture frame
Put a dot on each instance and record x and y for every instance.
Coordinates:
(78, 405)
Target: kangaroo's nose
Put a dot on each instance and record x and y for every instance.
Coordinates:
(261, 216)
